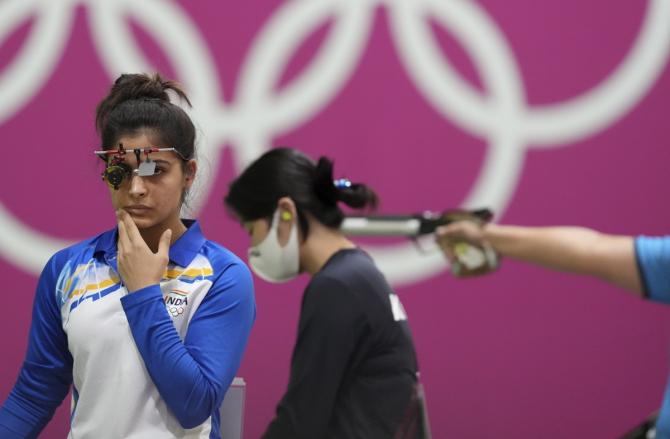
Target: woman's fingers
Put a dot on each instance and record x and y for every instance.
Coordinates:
(164, 245)
(138, 265)
(133, 233)
(123, 234)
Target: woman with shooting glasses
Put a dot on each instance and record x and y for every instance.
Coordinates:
(353, 369)
(147, 322)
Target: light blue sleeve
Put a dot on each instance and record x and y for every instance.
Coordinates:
(192, 376)
(663, 421)
(653, 259)
(46, 374)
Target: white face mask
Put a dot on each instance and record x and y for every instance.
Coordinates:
(272, 262)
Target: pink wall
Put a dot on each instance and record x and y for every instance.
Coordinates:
(522, 354)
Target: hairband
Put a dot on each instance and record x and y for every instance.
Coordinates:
(342, 183)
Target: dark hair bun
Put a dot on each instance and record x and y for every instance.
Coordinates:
(358, 196)
(136, 86)
(355, 195)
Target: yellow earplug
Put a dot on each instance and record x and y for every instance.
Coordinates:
(286, 216)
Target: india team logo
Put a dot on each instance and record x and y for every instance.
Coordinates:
(176, 302)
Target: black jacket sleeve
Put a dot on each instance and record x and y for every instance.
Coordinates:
(330, 325)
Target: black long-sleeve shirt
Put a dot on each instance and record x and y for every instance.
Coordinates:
(353, 369)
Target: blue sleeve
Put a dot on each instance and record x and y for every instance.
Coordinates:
(192, 376)
(653, 259)
(46, 374)
(663, 421)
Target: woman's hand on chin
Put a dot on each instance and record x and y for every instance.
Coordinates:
(138, 266)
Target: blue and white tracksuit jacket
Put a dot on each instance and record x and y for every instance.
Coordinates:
(152, 364)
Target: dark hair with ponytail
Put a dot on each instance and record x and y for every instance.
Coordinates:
(286, 172)
(139, 102)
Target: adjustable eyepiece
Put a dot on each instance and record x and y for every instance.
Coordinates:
(114, 175)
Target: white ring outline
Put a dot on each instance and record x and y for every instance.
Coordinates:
(544, 125)
(30, 69)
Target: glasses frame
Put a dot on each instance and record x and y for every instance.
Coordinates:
(116, 170)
